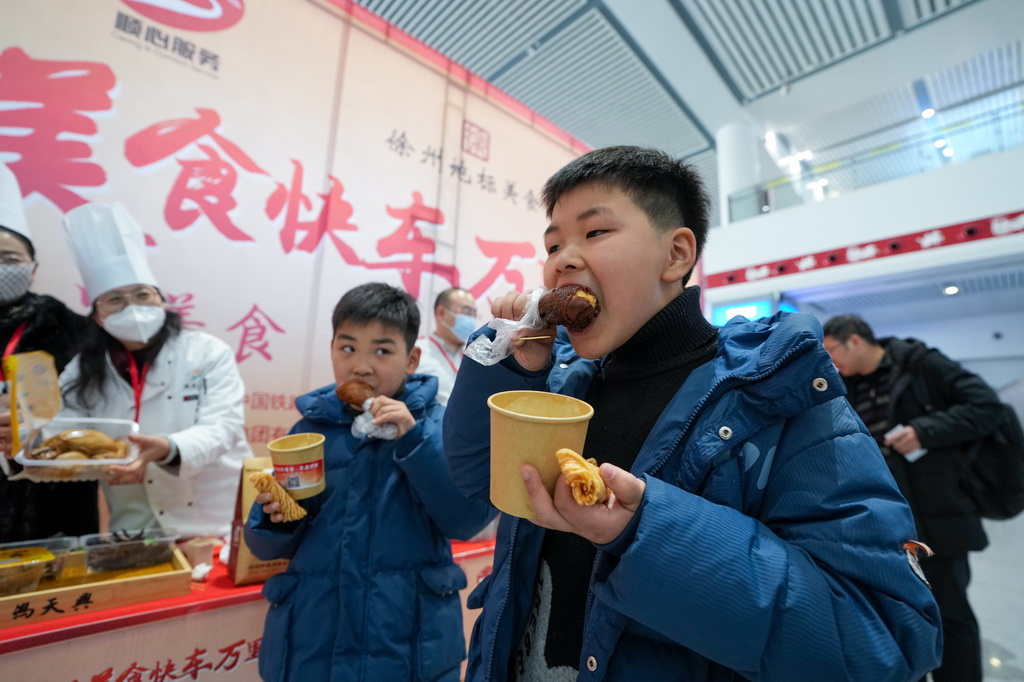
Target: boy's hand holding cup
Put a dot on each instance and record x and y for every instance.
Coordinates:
(298, 468)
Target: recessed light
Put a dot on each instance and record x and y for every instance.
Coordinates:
(951, 290)
(948, 152)
(928, 113)
(939, 144)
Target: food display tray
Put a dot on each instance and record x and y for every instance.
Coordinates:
(71, 470)
(77, 590)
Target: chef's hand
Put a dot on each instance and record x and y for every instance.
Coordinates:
(531, 355)
(905, 441)
(600, 523)
(387, 410)
(151, 449)
(270, 508)
(6, 441)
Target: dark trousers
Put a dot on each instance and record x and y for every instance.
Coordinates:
(961, 647)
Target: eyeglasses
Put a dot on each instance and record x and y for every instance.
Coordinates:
(14, 259)
(829, 349)
(465, 310)
(113, 302)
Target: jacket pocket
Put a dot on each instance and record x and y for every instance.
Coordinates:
(273, 661)
(441, 644)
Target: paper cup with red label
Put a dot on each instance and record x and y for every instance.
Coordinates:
(299, 463)
(528, 427)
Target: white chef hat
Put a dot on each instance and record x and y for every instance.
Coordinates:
(12, 210)
(108, 247)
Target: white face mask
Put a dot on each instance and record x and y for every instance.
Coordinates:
(135, 323)
(14, 280)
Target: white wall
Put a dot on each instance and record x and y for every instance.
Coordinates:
(953, 194)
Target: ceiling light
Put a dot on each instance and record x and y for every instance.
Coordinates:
(822, 182)
(939, 144)
(928, 113)
(948, 152)
(951, 290)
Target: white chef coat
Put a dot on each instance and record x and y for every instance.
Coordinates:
(437, 360)
(193, 394)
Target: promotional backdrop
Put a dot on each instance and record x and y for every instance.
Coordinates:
(276, 153)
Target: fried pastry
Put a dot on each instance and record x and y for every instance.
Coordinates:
(573, 307)
(354, 392)
(583, 476)
(265, 483)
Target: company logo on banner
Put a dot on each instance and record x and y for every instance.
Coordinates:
(191, 15)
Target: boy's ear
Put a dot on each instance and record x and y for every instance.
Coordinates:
(681, 256)
(414, 360)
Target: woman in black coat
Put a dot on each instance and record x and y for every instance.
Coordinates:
(30, 322)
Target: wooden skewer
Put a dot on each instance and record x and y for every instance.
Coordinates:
(533, 338)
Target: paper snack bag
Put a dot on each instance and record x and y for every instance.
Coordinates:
(243, 567)
(33, 392)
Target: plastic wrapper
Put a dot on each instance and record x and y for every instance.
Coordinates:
(67, 470)
(123, 550)
(22, 568)
(58, 547)
(363, 426)
(490, 352)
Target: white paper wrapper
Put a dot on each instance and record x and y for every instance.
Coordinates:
(488, 352)
(363, 426)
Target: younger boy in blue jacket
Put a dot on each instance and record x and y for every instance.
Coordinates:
(372, 592)
(753, 531)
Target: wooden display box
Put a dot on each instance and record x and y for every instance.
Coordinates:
(77, 591)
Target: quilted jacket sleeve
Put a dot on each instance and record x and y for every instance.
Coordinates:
(805, 578)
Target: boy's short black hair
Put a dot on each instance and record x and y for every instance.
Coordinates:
(842, 327)
(23, 239)
(669, 191)
(383, 303)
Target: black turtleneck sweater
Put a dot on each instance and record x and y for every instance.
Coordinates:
(631, 389)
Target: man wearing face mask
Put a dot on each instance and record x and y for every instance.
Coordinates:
(441, 352)
(31, 322)
(181, 386)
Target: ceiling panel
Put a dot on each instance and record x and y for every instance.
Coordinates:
(588, 80)
(765, 43)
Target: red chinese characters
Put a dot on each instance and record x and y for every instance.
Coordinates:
(254, 328)
(205, 186)
(52, 101)
(502, 253)
(409, 239)
(333, 217)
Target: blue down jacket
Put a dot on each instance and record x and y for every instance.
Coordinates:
(371, 592)
(769, 543)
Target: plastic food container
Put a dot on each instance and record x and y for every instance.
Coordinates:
(58, 547)
(90, 469)
(21, 569)
(127, 549)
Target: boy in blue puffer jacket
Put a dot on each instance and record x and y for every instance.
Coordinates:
(372, 592)
(753, 531)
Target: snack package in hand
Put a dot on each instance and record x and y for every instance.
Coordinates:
(266, 483)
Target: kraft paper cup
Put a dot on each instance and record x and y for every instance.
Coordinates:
(528, 427)
(299, 463)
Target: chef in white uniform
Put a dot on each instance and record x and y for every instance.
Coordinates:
(441, 352)
(181, 386)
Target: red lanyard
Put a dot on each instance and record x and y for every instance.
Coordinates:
(138, 382)
(12, 344)
(445, 354)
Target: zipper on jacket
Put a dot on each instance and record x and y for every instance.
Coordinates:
(505, 596)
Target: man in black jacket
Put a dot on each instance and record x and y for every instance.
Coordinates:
(942, 409)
